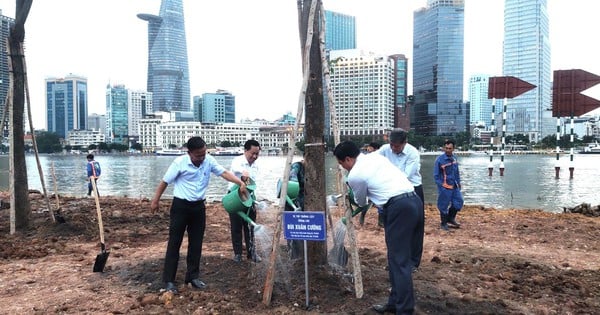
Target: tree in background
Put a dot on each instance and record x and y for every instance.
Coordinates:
(48, 142)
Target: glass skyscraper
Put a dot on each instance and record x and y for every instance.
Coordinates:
(527, 57)
(438, 55)
(5, 23)
(218, 107)
(66, 104)
(168, 72)
(117, 120)
(340, 31)
(481, 105)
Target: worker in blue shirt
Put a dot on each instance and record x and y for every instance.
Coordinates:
(93, 173)
(447, 179)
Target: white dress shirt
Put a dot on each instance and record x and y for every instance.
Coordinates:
(375, 177)
(408, 161)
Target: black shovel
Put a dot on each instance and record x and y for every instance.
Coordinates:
(103, 256)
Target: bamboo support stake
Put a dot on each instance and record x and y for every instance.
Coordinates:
(270, 277)
(358, 284)
(35, 148)
(55, 188)
(11, 158)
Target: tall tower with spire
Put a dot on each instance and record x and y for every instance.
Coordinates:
(168, 71)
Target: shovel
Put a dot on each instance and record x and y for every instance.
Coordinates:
(59, 218)
(103, 256)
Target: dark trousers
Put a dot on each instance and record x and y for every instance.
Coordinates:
(191, 217)
(238, 227)
(402, 216)
(91, 187)
(417, 246)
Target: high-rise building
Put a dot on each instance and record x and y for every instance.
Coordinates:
(218, 107)
(5, 24)
(438, 55)
(340, 34)
(527, 57)
(481, 105)
(363, 91)
(117, 109)
(66, 104)
(340, 31)
(97, 122)
(168, 72)
(140, 105)
(401, 113)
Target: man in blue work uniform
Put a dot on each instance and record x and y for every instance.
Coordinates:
(374, 177)
(447, 179)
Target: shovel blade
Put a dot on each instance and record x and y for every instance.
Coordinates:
(59, 218)
(101, 261)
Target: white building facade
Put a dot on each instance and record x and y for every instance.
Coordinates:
(362, 85)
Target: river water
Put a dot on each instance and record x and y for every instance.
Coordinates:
(529, 180)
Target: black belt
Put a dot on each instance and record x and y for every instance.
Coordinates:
(191, 203)
(400, 196)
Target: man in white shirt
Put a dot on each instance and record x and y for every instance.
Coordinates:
(407, 158)
(376, 178)
(244, 167)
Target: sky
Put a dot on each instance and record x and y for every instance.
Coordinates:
(251, 48)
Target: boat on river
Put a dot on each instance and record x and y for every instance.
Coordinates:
(593, 148)
(170, 152)
(227, 152)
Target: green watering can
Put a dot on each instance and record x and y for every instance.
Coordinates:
(235, 202)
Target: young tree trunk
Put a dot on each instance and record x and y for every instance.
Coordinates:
(15, 44)
(313, 130)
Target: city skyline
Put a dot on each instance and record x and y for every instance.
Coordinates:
(241, 53)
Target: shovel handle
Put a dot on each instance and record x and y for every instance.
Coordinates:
(98, 211)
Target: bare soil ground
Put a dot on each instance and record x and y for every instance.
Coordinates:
(499, 262)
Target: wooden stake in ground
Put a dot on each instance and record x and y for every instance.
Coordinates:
(357, 273)
(35, 148)
(270, 277)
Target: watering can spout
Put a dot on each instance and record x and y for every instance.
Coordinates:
(257, 227)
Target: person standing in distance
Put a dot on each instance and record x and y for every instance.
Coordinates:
(407, 158)
(190, 175)
(374, 177)
(447, 179)
(93, 173)
(244, 167)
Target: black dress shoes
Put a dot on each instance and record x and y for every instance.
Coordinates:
(197, 283)
(383, 308)
(171, 287)
(237, 258)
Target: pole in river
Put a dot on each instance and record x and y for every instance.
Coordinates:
(557, 165)
(572, 163)
(506, 87)
(492, 129)
(503, 136)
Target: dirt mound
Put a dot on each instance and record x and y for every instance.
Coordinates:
(499, 262)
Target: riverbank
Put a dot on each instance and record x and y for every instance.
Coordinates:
(500, 262)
